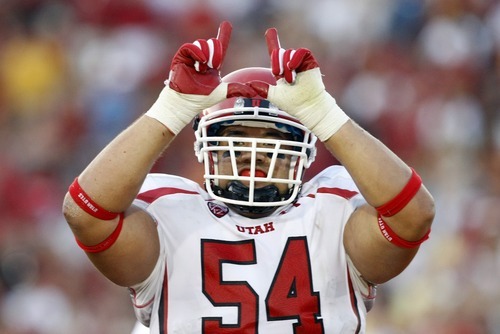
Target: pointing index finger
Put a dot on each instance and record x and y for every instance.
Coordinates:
(224, 35)
(272, 40)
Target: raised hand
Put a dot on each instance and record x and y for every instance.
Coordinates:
(299, 89)
(287, 63)
(194, 81)
(195, 68)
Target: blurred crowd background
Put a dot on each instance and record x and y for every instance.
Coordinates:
(421, 75)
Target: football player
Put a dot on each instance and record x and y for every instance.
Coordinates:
(255, 250)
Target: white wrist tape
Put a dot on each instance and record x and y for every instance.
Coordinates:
(167, 109)
(308, 100)
(323, 117)
(175, 110)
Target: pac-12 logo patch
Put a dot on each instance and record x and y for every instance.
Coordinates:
(217, 210)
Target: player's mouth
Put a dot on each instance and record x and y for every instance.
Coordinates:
(247, 172)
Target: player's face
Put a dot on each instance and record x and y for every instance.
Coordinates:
(263, 160)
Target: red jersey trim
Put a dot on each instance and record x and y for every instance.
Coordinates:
(163, 309)
(354, 302)
(134, 300)
(347, 194)
(152, 195)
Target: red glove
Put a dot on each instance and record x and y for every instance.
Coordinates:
(194, 81)
(195, 67)
(287, 63)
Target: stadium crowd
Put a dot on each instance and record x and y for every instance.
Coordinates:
(423, 75)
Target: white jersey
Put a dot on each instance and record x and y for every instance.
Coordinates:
(219, 272)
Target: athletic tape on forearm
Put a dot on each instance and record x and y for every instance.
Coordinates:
(171, 110)
(324, 117)
(175, 110)
(308, 100)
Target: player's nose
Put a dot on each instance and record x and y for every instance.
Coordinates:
(247, 156)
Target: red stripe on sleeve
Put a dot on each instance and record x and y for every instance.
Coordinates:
(347, 194)
(151, 195)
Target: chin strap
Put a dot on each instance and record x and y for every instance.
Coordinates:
(255, 211)
(239, 192)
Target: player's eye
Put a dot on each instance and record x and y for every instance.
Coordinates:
(227, 154)
(279, 156)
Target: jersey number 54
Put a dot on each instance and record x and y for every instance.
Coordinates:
(290, 295)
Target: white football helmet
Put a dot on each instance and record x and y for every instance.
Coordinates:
(241, 192)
